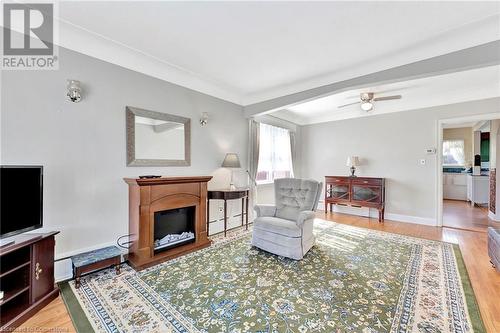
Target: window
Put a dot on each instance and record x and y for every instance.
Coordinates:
(453, 153)
(275, 156)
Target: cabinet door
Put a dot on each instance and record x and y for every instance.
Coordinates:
(42, 270)
(460, 180)
(339, 192)
(362, 193)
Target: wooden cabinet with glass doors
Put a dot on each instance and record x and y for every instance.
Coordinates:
(356, 192)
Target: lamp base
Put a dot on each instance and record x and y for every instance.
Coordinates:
(353, 170)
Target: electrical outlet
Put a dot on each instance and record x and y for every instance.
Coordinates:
(422, 161)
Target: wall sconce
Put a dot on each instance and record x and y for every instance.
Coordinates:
(204, 119)
(74, 91)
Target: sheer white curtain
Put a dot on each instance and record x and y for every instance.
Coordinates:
(454, 152)
(293, 149)
(275, 155)
(253, 160)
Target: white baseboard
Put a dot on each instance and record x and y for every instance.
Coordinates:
(411, 219)
(493, 216)
(373, 213)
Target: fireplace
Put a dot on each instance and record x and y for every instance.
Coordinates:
(167, 218)
(173, 227)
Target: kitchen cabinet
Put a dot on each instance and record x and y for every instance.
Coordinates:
(455, 186)
(478, 189)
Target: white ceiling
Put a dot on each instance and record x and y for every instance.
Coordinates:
(247, 52)
(420, 93)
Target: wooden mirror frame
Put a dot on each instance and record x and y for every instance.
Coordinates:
(131, 112)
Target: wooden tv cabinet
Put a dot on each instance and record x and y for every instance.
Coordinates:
(26, 278)
(356, 192)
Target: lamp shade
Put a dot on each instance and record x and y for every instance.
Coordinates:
(352, 161)
(231, 161)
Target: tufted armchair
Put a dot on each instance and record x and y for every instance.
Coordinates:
(286, 229)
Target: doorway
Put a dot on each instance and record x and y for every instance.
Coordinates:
(466, 169)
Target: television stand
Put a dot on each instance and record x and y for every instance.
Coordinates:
(26, 278)
(4, 243)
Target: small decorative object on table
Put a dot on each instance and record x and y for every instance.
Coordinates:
(94, 260)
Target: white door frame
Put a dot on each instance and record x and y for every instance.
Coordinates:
(439, 153)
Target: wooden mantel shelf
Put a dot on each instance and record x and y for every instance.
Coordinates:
(167, 180)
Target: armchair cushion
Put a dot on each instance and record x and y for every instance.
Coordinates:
(304, 216)
(265, 210)
(277, 226)
(294, 195)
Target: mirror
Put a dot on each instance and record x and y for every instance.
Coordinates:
(157, 139)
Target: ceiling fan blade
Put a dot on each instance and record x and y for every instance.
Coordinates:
(386, 98)
(341, 106)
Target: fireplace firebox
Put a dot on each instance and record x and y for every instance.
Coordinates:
(174, 227)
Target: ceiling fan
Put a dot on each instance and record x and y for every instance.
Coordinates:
(366, 100)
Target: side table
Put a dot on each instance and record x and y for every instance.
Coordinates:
(228, 194)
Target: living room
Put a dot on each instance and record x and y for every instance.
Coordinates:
(301, 166)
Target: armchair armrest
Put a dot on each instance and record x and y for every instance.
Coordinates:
(265, 210)
(304, 216)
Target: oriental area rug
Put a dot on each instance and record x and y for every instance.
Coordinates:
(352, 280)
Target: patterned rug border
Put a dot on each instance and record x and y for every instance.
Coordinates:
(470, 296)
(76, 313)
(82, 324)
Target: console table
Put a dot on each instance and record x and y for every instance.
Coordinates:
(356, 192)
(227, 194)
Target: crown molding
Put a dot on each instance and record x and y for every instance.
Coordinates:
(87, 42)
(79, 39)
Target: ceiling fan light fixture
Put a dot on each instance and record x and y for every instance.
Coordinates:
(366, 106)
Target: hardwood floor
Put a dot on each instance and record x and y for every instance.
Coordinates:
(461, 215)
(52, 318)
(485, 280)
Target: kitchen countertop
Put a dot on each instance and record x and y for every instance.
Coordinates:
(465, 173)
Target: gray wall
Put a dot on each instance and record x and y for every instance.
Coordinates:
(82, 145)
(389, 146)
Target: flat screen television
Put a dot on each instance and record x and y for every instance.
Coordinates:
(21, 198)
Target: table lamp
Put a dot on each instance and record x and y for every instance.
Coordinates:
(353, 162)
(231, 161)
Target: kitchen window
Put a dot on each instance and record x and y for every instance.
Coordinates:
(275, 155)
(453, 153)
